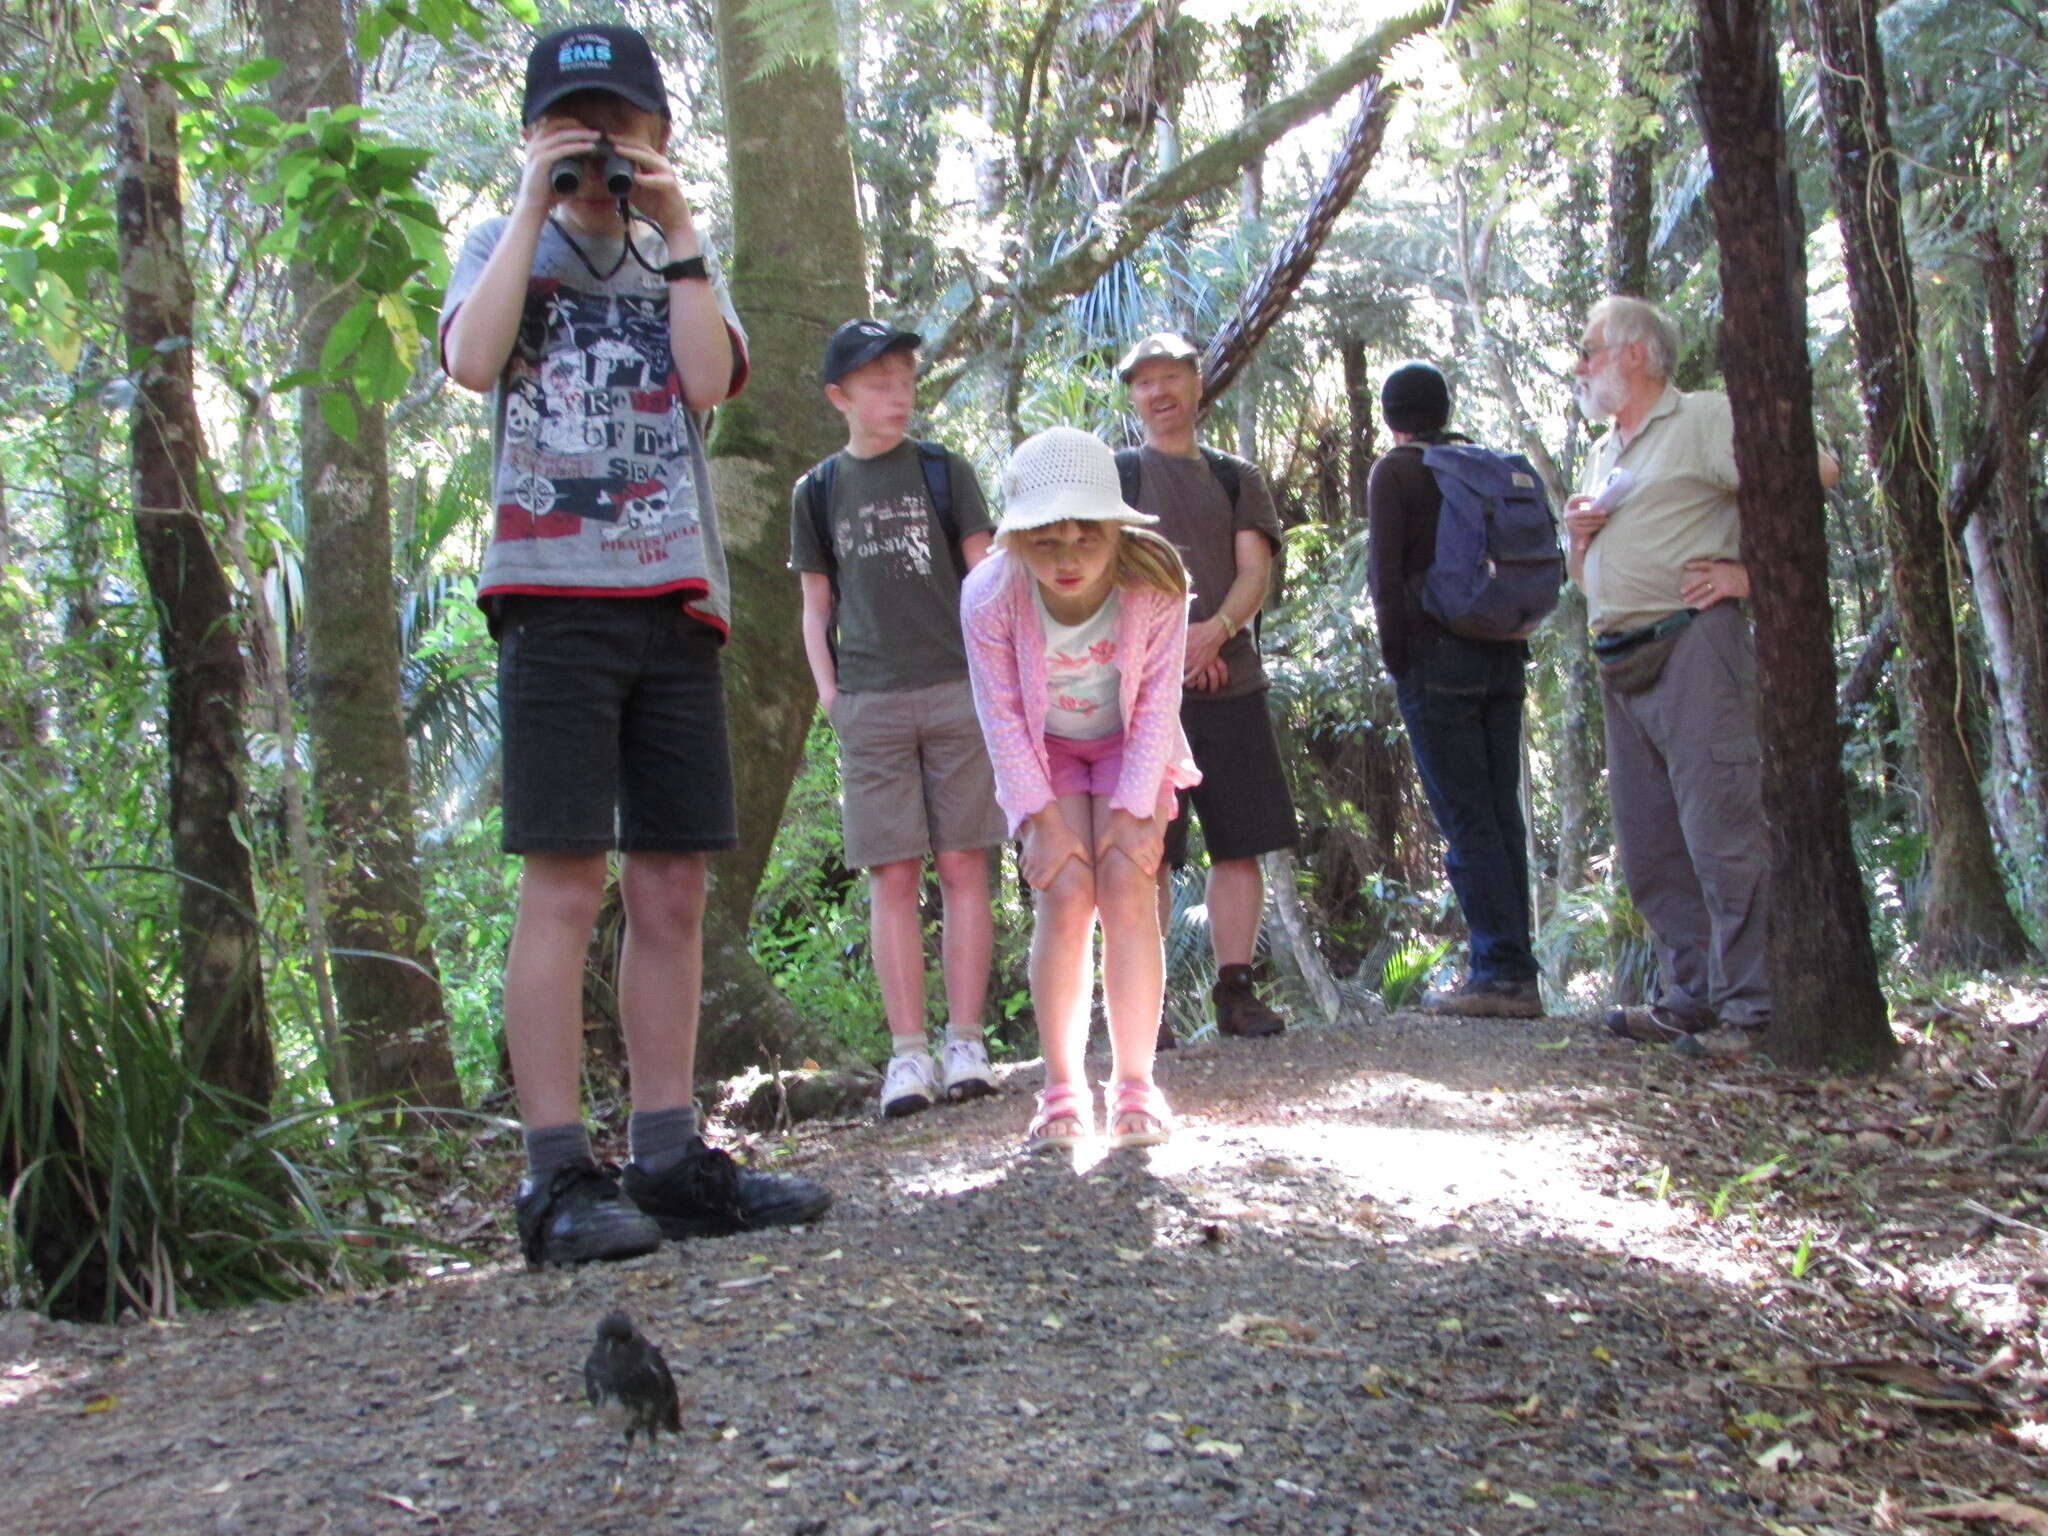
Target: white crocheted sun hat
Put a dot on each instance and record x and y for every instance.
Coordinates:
(1064, 473)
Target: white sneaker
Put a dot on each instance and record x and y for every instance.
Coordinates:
(967, 1074)
(909, 1084)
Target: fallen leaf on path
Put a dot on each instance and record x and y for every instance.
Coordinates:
(1782, 1457)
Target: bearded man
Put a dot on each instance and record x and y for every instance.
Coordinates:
(1653, 540)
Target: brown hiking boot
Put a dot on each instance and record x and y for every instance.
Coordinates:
(1656, 1025)
(1487, 1000)
(1238, 1009)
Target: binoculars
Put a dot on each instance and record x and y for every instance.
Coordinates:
(617, 175)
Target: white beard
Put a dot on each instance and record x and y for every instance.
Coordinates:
(1601, 393)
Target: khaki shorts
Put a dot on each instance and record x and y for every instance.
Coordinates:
(914, 775)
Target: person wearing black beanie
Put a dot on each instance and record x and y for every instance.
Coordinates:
(1416, 400)
(1461, 700)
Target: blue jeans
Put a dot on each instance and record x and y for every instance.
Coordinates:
(1462, 702)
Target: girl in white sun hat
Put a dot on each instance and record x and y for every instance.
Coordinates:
(1075, 628)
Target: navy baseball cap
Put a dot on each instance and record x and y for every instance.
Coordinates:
(615, 59)
(859, 342)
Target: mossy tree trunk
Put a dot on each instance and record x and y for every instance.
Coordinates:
(219, 955)
(797, 269)
(394, 1031)
(1965, 919)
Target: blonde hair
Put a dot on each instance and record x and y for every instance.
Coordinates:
(1143, 558)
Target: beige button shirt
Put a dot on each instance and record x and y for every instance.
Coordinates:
(1679, 506)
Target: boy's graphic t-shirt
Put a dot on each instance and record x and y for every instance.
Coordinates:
(598, 482)
(898, 612)
(1083, 685)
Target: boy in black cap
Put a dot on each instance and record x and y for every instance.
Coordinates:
(882, 534)
(592, 319)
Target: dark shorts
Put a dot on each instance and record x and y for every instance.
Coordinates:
(1243, 801)
(613, 716)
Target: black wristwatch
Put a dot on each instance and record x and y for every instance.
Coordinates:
(689, 266)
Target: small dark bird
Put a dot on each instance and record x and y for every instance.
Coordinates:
(627, 1381)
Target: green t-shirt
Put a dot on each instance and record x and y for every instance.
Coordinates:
(899, 592)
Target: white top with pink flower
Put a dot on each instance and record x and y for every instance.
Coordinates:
(1082, 683)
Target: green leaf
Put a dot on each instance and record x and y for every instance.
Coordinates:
(339, 412)
(347, 336)
(251, 75)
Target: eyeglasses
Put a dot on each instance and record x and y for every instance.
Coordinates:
(1587, 354)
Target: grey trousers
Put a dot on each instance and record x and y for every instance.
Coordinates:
(1684, 773)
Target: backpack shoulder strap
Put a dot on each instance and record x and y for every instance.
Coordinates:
(1228, 470)
(1129, 474)
(937, 468)
(817, 491)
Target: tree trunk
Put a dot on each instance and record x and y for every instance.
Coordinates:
(394, 1032)
(1631, 196)
(1269, 296)
(1828, 1009)
(23, 707)
(1360, 448)
(219, 958)
(2008, 537)
(1965, 919)
(793, 281)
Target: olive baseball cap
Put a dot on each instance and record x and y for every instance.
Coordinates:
(1168, 345)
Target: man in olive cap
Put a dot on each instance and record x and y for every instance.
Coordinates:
(1218, 510)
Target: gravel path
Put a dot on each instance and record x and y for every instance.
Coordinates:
(1397, 1280)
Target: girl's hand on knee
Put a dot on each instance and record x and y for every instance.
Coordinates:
(1142, 840)
(1048, 843)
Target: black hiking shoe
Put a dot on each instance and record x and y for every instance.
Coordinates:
(576, 1215)
(1487, 999)
(707, 1194)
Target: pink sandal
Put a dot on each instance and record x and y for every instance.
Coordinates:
(1132, 1097)
(1059, 1105)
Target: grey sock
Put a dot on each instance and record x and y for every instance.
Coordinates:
(968, 1032)
(660, 1137)
(908, 1045)
(549, 1147)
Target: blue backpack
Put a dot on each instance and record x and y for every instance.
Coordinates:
(1498, 567)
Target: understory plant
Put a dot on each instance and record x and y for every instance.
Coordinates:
(127, 1183)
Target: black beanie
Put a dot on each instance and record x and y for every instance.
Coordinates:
(1415, 399)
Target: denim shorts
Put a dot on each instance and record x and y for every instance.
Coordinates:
(612, 711)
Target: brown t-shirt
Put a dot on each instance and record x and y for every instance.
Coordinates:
(1195, 513)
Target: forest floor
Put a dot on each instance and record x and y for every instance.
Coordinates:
(1413, 1276)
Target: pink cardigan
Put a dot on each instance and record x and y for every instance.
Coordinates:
(1006, 661)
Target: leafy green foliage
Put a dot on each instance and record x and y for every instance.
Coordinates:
(125, 1181)
(1408, 969)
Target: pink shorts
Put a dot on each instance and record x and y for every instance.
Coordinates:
(1085, 767)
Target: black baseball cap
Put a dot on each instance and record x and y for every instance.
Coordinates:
(615, 59)
(859, 342)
